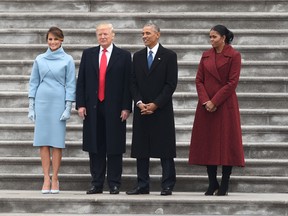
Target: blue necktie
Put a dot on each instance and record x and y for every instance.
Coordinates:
(150, 59)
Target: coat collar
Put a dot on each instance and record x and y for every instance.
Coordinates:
(113, 57)
(211, 64)
(156, 61)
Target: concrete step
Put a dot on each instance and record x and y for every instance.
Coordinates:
(186, 68)
(182, 116)
(253, 150)
(78, 165)
(184, 52)
(133, 36)
(246, 84)
(185, 183)
(144, 5)
(246, 100)
(27, 202)
(132, 20)
(250, 133)
(181, 100)
(185, 84)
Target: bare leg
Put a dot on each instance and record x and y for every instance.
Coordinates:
(45, 160)
(56, 161)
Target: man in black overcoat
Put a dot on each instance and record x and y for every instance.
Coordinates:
(152, 88)
(104, 117)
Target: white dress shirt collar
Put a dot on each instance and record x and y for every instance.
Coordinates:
(154, 50)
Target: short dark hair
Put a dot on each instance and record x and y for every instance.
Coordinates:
(57, 32)
(153, 25)
(222, 30)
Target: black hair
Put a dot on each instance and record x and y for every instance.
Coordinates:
(222, 30)
(153, 25)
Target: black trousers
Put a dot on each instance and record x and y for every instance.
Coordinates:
(101, 161)
(168, 173)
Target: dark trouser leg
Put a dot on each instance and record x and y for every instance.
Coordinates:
(168, 173)
(97, 169)
(212, 177)
(143, 172)
(98, 160)
(226, 172)
(114, 170)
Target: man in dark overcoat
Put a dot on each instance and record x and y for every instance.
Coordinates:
(152, 88)
(104, 117)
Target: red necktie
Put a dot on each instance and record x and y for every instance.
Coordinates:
(102, 74)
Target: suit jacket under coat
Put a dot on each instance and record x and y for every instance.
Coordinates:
(216, 137)
(154, 135)
(117, 97)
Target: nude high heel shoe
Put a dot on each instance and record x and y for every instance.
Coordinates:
(55, 191)
(45, 190)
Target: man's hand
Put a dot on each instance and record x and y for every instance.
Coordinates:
(147, 109)
(82, 112)
(124, 115)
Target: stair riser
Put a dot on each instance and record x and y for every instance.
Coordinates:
(280, 86)
(184, 70)
(182, 167)
(167, 37)
(55, 6)
(119, 207)
(245, 102)
(254, 152)
(183, 135)
(243, 86)
(193, 184)
(180, 118)
(184, 54)
(154, 6)
(180, 101)
(132, 21)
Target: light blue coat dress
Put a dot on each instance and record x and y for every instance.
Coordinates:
(52, 83)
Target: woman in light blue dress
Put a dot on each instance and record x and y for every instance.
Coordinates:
(51, 93)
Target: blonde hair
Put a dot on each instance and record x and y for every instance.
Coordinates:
(105, 25)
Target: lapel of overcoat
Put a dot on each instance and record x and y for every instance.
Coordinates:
(211, 64)
(157, 58)
(113, 58)
(95, 59)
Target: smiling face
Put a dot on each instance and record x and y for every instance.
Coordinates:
(150, 36)
(105, 35)
(217, 41)
(54, 42)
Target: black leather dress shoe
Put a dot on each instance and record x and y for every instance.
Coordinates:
(166, 191)
(138, 190)
(95, 190)
(114, 190)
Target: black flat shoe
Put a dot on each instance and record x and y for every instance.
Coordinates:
(137, 191)
(95, 190)
(114, 190)
(166, 192)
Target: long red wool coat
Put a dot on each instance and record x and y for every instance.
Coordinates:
(217, 137)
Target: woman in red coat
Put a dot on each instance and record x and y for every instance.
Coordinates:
(216, 135)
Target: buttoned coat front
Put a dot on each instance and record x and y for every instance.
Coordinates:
(154, 135)
(117, 98)
(216, 136)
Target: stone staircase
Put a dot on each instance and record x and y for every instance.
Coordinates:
(261, 35)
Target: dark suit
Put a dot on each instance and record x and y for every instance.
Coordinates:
(103, 131)
(154, 135)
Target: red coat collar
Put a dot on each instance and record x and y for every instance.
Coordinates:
(210, 63)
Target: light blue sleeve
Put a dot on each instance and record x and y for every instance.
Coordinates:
(34, 80)
(70, 81)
